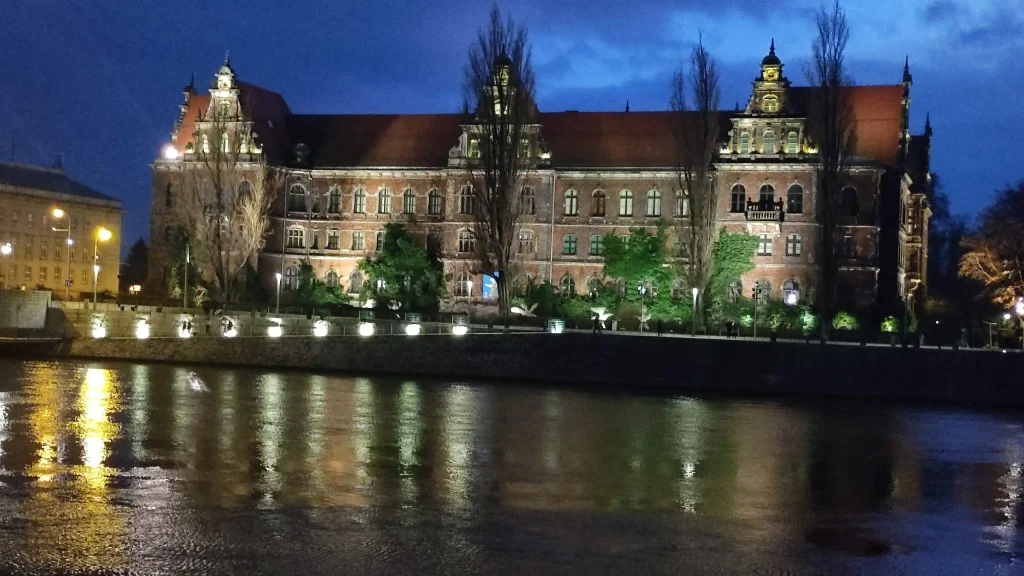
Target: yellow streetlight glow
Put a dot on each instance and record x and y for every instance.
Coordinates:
(103, 234)
(58, 213)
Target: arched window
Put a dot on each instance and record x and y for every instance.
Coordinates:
(794, 245)
(473, 149)
(745, 143)
(626, 203)
(331, 279)
(763, 291)
(526, 242)
(409, 201)
(572, 203)
(791, 292)
(355, 283)
(795, 199)
(768, 142)
(527, 201)
(567, 286)
(766, 197)
(738, 199)
(334, 200)
(594, 286)
(296, 198)
(466, 199)
(291, 278)
(225, 144)
(849, 205)
(735, 291)
(597, 206)
(654, 203)
(466, 241)
(463, 285)
(770, 104)
(682, 205)
(384, 201)
(679, 290)
(359, 201)
(434, 202)
(569, 245)
(225, 109)
(792, 145)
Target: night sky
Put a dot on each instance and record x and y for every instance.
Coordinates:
(100, 81)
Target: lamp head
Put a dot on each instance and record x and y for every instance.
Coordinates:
(170, 152)
(103, 234)
(278, 276)
(58, 213)
(5, 249)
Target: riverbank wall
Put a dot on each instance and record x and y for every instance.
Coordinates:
(624, 362)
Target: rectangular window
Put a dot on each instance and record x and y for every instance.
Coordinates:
(359, 201)
(334, 201)
(296, 238)
(42, 275)
(380, 242)
(358, 240)
(569, 244)
(332, 239)
(793, 245)
(28, 248)
(28, 273)
(596, 245)
(384, 201)
(57, 277)
(409, 202)
(85, 277)
(434, 203)
(56, 253)
(43, 249)
(764, 245)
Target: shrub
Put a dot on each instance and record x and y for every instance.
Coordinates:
(844, 321)
(890, 324)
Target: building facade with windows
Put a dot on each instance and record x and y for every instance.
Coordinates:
(345, 176)
(40, 258)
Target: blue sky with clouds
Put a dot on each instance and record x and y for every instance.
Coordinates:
(100, 82)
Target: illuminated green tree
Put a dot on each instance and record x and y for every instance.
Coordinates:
(403, 272)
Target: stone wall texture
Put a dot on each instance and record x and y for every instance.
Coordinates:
(619, 361)
(23, 309)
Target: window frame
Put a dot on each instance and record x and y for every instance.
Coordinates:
(764, 244)
(794, 245)
(435, 202)
(359, 200)
(599, 204)
(384, 200)
(596, 245)
(408, 201)
(571, 203)
(625, 203)
(797, 191)
(569, 244)
(653, 203)
(738, 191)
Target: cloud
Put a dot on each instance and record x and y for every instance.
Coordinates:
(940, 10)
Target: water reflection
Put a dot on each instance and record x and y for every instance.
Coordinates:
(102, 459)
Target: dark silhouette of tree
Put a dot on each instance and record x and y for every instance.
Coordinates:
(994, 254)
(135, 265)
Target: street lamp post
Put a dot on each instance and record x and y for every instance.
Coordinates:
(5, 250)
(1020, 319)
(277, 306)
(102, 235)
(184, 293)
(642, 290)
(58, 214)
(693, 313)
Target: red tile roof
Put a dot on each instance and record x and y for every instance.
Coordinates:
(407, 140)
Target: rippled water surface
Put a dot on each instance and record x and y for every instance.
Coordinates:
(122, 468)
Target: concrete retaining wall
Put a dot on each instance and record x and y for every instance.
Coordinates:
(707, 365)
(23, 309)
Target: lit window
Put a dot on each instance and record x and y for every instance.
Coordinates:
(794, 245)
(355, 283)
(334, 200)
(463, 285)
(28, 273)
(768, 142)
(567, 285)
(569, 244)
(764, 245)
(225, 145)
(682, 205)
(594, 286)
(296, 238)
(42, 275)
(434, 202)
(745, 143)
(384, 201)
(654, 203)
(763, 291)
(770, 104)
(571, 203)
(206, 144)
(791, 292)
(358, 240)
(466, 241)
(527, 201)
(597, 206)
(795, 199)
(409, 201)
(738, 199)
(359, 201)
(526, 242)
(474, 148)
(625, 203)
(791, 144)
(466, 199)
(596, 245)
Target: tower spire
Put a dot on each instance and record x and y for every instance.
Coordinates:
(227, 57)
(908, 78)
(772, 50)
(928, 124)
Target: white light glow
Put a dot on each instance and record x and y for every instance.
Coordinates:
(58, 213)
(366, 329)
(231, 332)
(1020, 306)
(460, 330)
(274, 331)
(99, 331)
(412, 329)
(320, 328)
(142, 330)
(170, 152)
(95, 268)
(791, 298)
(694, 291)
(71, 242)
(556, 328)
(6, 249)
(1006, 316)
(184, 331)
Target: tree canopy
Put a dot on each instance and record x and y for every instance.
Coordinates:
(403, 272)
(994, 255)
(638, 259)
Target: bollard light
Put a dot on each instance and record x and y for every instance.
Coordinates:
(366, 329)
(556, 326)
(321, 328)
(142, 330)
(99, 331)
(412, 324)
(460, 329)
(275, 330)
(184, 331)
(412, 329)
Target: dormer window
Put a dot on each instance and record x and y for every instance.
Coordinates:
(791, 143)
(473, 150)
(225, 144)
(206, 144)
(225, 109)
(768, 142)
(745, 143)
(770, 104)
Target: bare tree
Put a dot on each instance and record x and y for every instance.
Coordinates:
(499, 90)
(696, 135)
(226, 191)
(830, 127)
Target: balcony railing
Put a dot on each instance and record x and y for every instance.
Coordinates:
(765, 211)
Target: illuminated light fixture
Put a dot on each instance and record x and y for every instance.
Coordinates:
(412, 329)
(412, 324)
(184, 331)
(790, 298)
(58, 213)
(99, 331)
(71, 242)
(460, 330)
(556, 326)
(142, 330)
(104, 235)
(170, 152)
(1006, 316)
(320, 328)
(135, 288)
(231, 332)
(6, 249)
(460, 325)
(275, 331)
(366, 329)
(1020, 306)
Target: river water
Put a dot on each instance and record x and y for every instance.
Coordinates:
(133, 468)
